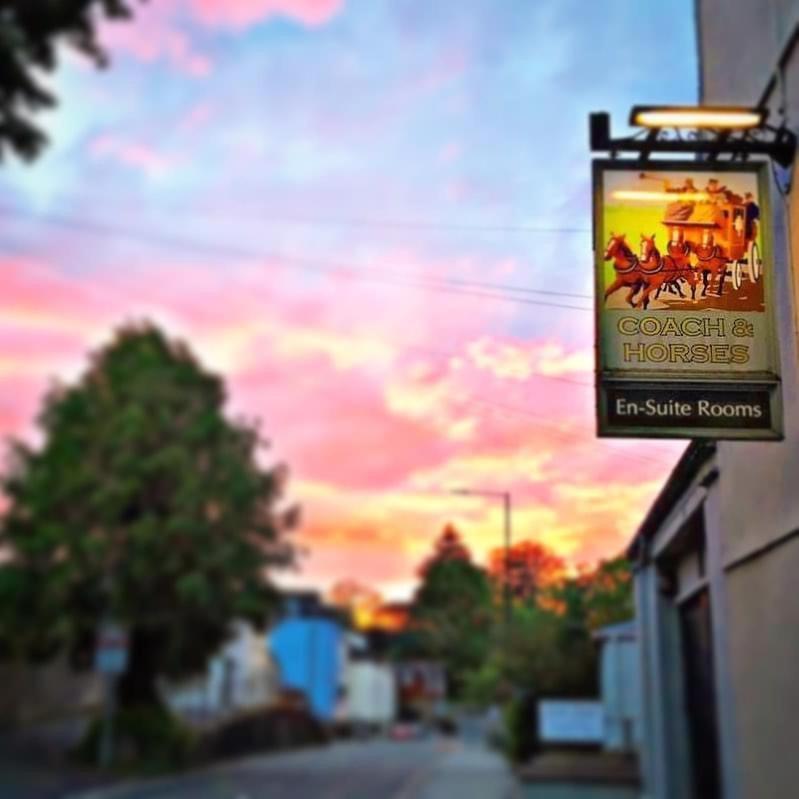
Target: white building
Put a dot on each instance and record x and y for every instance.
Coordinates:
(620, 689)
(241, 676)
(368, 688)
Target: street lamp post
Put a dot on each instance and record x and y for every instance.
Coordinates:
(505, 496)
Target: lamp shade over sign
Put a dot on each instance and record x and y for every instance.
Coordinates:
(715, 117)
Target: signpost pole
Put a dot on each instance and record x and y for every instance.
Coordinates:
(110, 660)
(506, 500)
(107, 739)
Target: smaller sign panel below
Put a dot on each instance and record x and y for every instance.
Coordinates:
(561, 721)
(695, 407)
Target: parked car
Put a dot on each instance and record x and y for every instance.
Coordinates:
(405, 730)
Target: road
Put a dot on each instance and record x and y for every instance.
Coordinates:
(434, 768)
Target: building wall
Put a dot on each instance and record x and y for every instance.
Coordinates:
(241, 676)
(621, 700)
(739, 42)
(371, 692)
(756, 500)
(308, 654)
(764, 664)
(52, 691)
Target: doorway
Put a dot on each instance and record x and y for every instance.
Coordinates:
(700, 695)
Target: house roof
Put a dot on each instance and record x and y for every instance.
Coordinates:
(693, 459)
(626, 630)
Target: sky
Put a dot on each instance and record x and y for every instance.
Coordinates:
(373, 218)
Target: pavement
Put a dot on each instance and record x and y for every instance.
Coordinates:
(21, 780)
(580, 775)
(33, 765)
(434, 768)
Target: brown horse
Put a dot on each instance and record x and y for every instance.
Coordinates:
(627, 267)
(663, 271)
(711, 261)
(679, 251)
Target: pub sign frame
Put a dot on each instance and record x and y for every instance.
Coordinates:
(680, 360)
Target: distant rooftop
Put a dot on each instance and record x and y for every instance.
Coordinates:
(307, 604)
(624, 630)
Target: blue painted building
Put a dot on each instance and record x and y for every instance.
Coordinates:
(307, 644)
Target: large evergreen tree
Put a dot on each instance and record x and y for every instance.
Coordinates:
(143, 504)
(30, 32)
(452, 608)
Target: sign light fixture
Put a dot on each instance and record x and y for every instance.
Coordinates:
(697, 117)
(727, 132)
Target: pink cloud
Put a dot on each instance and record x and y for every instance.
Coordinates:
(155, 35)
(159, 31)
(239, 14)
(350, 438)
(450, 152)
(37, 293)
(135, 155)
(375, 422)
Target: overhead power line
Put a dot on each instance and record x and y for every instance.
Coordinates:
(400, 279)
(266, 215)
(541, 419)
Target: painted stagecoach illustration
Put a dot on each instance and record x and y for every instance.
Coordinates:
(712, 235)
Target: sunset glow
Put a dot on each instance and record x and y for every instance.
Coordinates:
(382, 246)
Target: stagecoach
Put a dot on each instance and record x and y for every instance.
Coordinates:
(721, 233)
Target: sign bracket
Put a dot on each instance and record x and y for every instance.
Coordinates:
(778, 143)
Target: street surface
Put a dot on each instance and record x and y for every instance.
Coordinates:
(433, 768)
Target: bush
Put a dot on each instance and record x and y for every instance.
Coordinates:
(263, 730)
(482, 685)
(147, 739)
(520, 738)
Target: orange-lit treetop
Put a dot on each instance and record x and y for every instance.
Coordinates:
(530, 567)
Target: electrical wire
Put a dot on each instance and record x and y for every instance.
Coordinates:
(445, 285)
(265, 215)
(331, 270)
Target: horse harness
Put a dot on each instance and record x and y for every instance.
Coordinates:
(685, 250)
(634, 263)
(658, 266)
(715, 253)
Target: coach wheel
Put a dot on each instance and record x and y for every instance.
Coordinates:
(737, 274)
(755, 262)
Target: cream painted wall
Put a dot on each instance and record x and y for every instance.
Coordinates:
(739, 43)
(758, 489)
(763, 657)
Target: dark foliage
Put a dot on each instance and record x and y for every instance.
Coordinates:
(144, 505)
(30, 33)
(452, 611)
(260, 731)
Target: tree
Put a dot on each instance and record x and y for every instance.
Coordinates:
(542, 652)
(449, 546)
(452, 608)
(608, 593)
(144, 504)
(30, 31)
(529, 568)
(548, 648)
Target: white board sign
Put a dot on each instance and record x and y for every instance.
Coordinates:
(111, 652)
(566, 721)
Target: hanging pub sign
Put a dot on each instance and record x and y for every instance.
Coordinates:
(686, 342)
